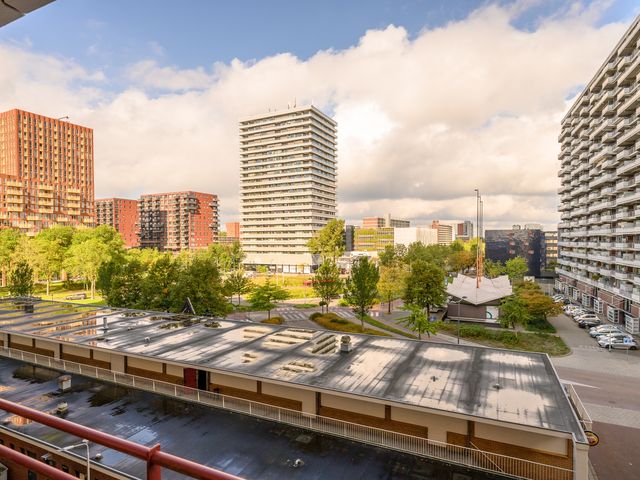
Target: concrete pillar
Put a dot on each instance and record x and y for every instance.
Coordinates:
(580, 461)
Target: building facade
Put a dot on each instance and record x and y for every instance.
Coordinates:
(233, 230)
(445, 232)
(46, 172)
(409, 235)
(386, 221)
(550, 249)
(599, 232)
(178, 221)
(464, 230)
(121, 214)
(372, 239)
(288, 176)
(503, 245)
(349, 237)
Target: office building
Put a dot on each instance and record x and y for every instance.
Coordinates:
(372, 239)
(464, 230)
(287, 185)
(384, 222)
(178, 221)
(454, 403)
(46, 172)
(599, 232)
(445, 232)
(121, 214)
(349, 238)
(407, 236)
(503, 245)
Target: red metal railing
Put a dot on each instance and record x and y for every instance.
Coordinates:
(155, 458)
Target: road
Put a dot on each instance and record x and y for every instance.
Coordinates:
(608, 384)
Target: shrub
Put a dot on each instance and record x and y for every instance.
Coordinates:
(273, 321)
(473, 331)
(343, 303)
(315, 315)
(508, 338)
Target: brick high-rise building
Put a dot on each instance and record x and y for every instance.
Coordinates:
(121, 214)
(233, 230)
(46, 172)
(178, 221)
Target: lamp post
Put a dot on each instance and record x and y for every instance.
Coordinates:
(83, 443)
(458, 318)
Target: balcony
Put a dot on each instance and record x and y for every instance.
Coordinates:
(631, 103)
(627, 198)
(630, 136)
(630, 165)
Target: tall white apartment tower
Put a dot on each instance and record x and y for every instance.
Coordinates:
(287, 185)
(599, 235)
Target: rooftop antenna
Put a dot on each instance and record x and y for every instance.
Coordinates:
(478, 247)
(66, 117)
(295, 102)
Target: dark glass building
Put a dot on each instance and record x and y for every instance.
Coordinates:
(503, 245)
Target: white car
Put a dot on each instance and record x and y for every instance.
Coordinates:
(603, 330)
(585, 316)
(627, 343)
(613, 336)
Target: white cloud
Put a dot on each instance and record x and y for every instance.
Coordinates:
(422, 121)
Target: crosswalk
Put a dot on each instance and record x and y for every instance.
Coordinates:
(292, 313)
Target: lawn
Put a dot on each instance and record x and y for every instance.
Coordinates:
(293, 283)
(59, 291)
(331, 321)
(384, 326)
(495, 337)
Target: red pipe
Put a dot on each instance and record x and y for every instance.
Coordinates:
(153, 456)
(33, 464)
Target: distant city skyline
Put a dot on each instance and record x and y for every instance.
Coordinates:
(433, 99)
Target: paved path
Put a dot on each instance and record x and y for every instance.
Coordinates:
(608, 384)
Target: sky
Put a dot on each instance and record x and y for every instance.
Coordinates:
(433, 99)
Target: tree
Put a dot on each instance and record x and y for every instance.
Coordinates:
(9, 241)
(326, 282)
(360, 289)
(237, 284)
(50, 247)
(460, 260)
(264, 296)
(328, 242)
(425, 286)
(392, 254)
(21, 280)
(538, 305)
(418, 321)
(392, 283)
(228, 256)
(198, 279)
(513, 311)
(493, 269)
(156, 287)
(516, 268)
(120, 281)
(436, 254)
(85, 260)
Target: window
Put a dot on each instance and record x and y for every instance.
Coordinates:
(32, 475)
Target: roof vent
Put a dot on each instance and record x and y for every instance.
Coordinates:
(497, 386)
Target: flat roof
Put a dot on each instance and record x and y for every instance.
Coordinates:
(245, 446)
(494, 384)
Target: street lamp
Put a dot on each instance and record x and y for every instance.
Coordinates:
(458, 303)
(83, 443)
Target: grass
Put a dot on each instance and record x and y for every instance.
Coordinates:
(384, 326)
(293, 283)
(331, 321)
(494, 337)
(60, 290)
(273, 321)
(541, 325)
(305, 305)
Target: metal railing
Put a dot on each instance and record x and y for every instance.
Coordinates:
(441, 451)
(583, 414)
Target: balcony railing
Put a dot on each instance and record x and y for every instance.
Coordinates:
(470, 457)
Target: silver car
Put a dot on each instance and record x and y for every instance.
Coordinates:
(626, 343)
(604, 330)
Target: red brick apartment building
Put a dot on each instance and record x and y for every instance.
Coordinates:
(46, 172)
(121, 214)
(178, 221)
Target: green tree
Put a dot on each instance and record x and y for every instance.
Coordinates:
(9, 241)
(326, 282)
(85, 260)
(237, 284)
(516, 268)
(425, 286)
(264, 296)
(21, 280)
(435, 254)
(199, 279)
(328, 242)
(50, 247)
(513, 311)
(539, 305)
(391, 255)
(418, 321)
(228, 256)
(392, 283)
(120, 281)
(460, 260)
(360, 289)
(493, 269)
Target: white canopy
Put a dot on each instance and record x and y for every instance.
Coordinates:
(490, 289)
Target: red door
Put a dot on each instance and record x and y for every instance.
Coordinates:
(191, 377)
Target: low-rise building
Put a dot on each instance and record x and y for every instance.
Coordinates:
(445, 232)
(386, 221)
(407, 236)
(372, 239)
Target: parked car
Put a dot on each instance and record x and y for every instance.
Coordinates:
(614, 335)
(585, 316)
(627, 343)
(590, 322)
(603, 330)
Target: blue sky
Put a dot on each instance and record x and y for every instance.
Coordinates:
(423, 92)
(109, 35)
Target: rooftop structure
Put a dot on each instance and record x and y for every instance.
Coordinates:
(11, 10)
(46, 172)
(287, 185)
(598, 237)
